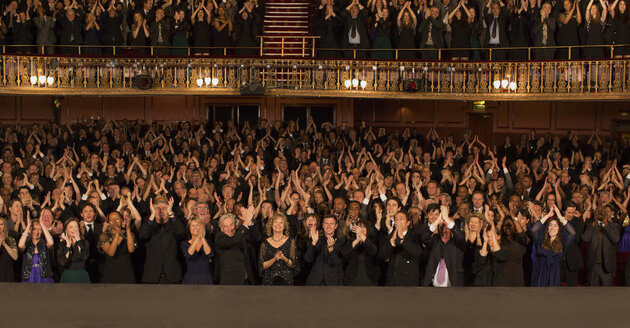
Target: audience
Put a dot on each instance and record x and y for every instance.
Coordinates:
(273, 204)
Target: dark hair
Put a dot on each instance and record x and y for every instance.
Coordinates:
(432, 207)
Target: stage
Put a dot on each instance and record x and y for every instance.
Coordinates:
(60, 305)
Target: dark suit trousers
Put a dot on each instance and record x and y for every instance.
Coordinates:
(599, 277)
(568, 277)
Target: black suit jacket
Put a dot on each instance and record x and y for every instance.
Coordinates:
(326, 266)
(611, 233)
(162, 242)
(347, 24)
(225, 246)
(404, 259)
(437, 31)
(573, 253)
(96, 261)
(452, 252)
(504, 41)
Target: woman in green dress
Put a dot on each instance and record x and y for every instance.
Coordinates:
(73, 253)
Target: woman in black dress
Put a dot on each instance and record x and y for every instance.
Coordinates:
(568, 23)
(222, 28)
(329, 31)
(139, 34)
(518, 30)
(201, 31)
(278, 259)
(621, 27)
(73, 252)
(359, 253)
(302, 242)
(246, 37)
(595, 25)
(180, 37)
(92, 35)
(382, 36)
(509, 268)
(8, 253)
(407, 23)
(460, 32)
(197, 252)
(117, 242)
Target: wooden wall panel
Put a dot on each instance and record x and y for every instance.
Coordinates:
(420, 111)
(8, 108)
(531, 115)
(130, 108)
(37, 108)
(502, 115)
(612, 111)
(170, 108)
(576, 116)
(79, 108)
(363, 110)
(451, 112)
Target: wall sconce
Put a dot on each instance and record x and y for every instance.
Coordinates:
(42, 80)
(505, 83)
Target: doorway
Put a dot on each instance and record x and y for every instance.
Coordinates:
(481, 124)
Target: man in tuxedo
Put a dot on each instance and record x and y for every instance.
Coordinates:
(70, 31)
(161, 234)
(445, 267)
(402, 249)
(93, 230)
(355, 35)
(235, 254)
(477, 202)
(603, 234)
(324, 252)
(572, 262)
(496, 18)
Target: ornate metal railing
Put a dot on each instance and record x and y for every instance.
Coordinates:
(602, 79)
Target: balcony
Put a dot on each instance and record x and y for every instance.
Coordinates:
(607, 79)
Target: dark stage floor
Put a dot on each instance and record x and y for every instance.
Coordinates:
(59, 305)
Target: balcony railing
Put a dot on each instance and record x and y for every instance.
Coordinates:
(574, 79)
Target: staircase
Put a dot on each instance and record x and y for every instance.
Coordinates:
(285, 23)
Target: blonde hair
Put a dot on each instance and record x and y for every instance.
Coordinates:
(269, 226)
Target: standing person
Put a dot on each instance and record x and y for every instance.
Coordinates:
(222, 28)
(160, 31)
(550, 242)
(328, 30)
(197, 252)
(573, 261)
(447, 242)
(8, 253)
(278, 260)
(180, 37)
(460, 32)
(93, 230)
(45, 25)
(139, 34)
(382, 36)
(36, 266)
(544, 30)
(200, 20)
(235, 254)
(621, 27)
(509, 267)
(402, 248)
(496, 34)
(117, 242)
(603, 234)
(407, 23)
(354, 35)
(161, 233)
(595, 25)
(568, 23)
(247, 30)
(74, 251)
(92, 35)
(324, 253)
(70, 32)
(431, 33)
(360, 254)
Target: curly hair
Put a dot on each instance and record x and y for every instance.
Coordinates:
(556, 244)
(269, 225)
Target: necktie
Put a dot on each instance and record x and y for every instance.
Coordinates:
(353, 30)
(495, 28)
(441, 273)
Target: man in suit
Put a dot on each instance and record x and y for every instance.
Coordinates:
(45, 25)
(160, 31)
(161, 234)
(235, 254)
(402, 249)
(70, 32)
(354, 33)
(445, 267)
(325, 255)
(431, 31)
(545, 29)
(572, 262)
(603, 234)
(93, 229)
(496, 18)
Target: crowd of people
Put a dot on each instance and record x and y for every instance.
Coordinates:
(275, 204)
(170, 26)
(362, 28)
(372, 28)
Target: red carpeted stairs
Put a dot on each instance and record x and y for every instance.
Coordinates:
(288, 19)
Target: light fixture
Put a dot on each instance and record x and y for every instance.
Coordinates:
(363, 84)
(200, 82)
(50, 80)
(207, 80)
(42, 79)
(347, 83)
(504, 83)
(215, 81)
(33, 79)
(355, 82)
(496, 84)
(512, 85)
